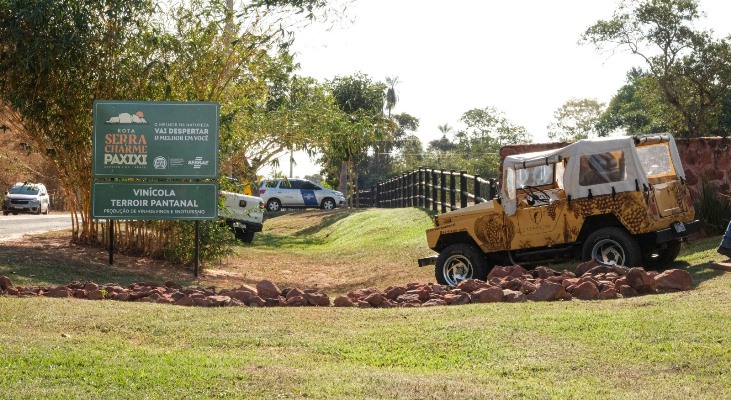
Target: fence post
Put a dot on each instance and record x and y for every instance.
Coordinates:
(452, 194)
(493, 188)
(478, 195)
(443, 190)
(434, 197)
(425, 187)
(420, 177)
(462, 189)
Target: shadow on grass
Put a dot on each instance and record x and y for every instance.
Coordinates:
(61, 264)
(304, 237)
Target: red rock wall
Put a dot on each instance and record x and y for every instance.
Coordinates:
(708, 157)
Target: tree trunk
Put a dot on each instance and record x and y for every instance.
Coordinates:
(344, 179)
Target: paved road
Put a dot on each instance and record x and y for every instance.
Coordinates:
(15, 226)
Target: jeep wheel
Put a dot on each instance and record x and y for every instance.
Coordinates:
(459, 262)
(612, 246)
(327, 204)
(659, 258)
(274, 205)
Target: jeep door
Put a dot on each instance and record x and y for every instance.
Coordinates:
(539, 196)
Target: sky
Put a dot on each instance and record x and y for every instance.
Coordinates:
(521, 57)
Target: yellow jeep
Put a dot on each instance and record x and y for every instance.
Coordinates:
(621, 201)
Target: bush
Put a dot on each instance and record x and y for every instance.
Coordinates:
(713, 209)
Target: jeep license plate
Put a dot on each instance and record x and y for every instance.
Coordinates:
(679, 227)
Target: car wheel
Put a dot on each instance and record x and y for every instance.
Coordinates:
(612, 246)
(327, 204)
(274, 205)
(48, 211)
(459, 262)
(5, 213)
(247, 237)
(39, 210)
(659, 258)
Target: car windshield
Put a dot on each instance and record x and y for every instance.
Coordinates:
(25, 189)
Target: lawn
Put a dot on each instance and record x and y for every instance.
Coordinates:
(669, 346)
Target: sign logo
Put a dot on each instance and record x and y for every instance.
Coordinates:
(160, 162)
(198, 162)
(127, 118)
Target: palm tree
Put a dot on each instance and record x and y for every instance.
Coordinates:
(391, 98)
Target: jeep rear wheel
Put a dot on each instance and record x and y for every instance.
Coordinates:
(660, 257)
(612, 246)
(459, 262)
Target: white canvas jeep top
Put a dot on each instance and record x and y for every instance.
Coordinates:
(594, 167)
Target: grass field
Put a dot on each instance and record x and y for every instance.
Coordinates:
(670, 346)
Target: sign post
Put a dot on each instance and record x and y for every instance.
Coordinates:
(155, 140)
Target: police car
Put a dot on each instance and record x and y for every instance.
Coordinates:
(298, 193)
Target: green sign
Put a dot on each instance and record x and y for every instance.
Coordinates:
(154, 200)
(140, 139)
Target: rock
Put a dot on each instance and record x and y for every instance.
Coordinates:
(545, 291)
(343, 301)
(434, 302)
(124, 296)
(392, 293)
(317, 299)
(184, 301)
(5, 283)
(374, 299)
(628, 291)
(544, 272)
(490, 294)
(12, 291)
(585, 266)
(202, 301)
(256, 301)
(470, 285)
(297, 301)
(673, 279)
(455, 299)
(607, 294)
(95, 295)
(294, 292)
(513, 296)
(586, 290)
(172, 285)
(267, 289)
(409, 298)
(90, 286)
(640, 280)
(219, 301)
(59, 292)
(528, 287)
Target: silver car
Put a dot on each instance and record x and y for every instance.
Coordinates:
(26, 197)
(298, 193)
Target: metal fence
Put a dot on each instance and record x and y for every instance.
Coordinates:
(438, 190)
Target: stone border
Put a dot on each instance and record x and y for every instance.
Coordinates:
(591, 281)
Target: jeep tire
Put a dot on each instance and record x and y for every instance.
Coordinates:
(612, 246)
(660, 258)
(459, 262)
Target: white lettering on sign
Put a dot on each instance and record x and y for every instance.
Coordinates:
(154, 192)
(125, 159)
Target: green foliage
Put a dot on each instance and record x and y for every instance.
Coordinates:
(689, 71)
(575, 120)
(476, 148)
(215, 241)
(713, 209)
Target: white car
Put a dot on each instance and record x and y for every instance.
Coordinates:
(298, 193)
(244, 214)
(26, 197)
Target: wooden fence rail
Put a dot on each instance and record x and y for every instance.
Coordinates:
(438, 190)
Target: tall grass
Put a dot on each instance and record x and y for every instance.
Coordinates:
(713, 209)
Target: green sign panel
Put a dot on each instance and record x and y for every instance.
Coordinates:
(154, 200)
(146, 139)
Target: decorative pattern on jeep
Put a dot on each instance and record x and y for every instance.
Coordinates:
(629, 207)
(489, 230)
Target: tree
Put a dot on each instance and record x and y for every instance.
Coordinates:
(575, 120)
(363, 125)
(391, 98)
(637, 108)
(692, 69)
